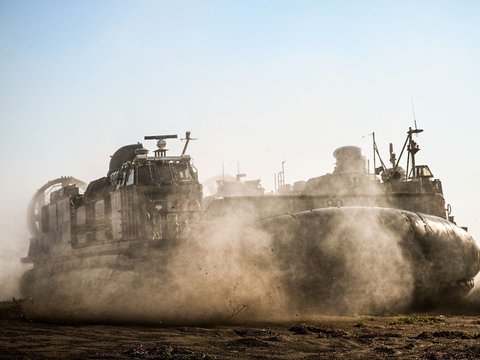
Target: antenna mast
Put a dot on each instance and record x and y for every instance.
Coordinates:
(413, 112)
(374, 146)
(187, 138)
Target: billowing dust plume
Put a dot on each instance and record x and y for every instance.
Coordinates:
(13, 246)
(220, 273)
(237, 269)
(343, 262)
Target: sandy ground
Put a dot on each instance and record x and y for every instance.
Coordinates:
(412, 336)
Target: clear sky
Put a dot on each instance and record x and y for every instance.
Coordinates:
(258, 82)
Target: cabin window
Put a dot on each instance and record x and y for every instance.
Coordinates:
(425, 171)
(131, 177)
(421, 171)
(143, 175)
(183, 172)
(151, 174)
(164, 174)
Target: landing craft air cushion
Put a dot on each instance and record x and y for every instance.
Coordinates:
(146, 204)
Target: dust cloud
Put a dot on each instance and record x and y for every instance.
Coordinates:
(343, 263)
(13, 246)
(221, 274)
(236, 269)
(468, 305)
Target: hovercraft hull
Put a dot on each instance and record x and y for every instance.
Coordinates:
(335, 258)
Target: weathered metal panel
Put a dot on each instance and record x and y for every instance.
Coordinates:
(90, 218)
(80, 226)
(53, 223)
(129, 213)
(116, 217)
(100, 220)
(64, 223)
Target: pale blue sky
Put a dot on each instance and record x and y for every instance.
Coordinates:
(256, 81)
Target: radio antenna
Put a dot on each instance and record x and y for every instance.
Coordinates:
(414, 117)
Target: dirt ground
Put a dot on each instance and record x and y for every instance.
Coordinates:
(411, 336)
